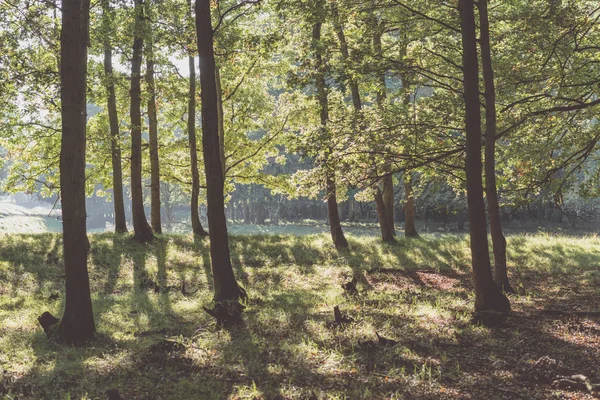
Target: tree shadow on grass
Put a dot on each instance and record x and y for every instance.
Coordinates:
(35, 267)
(253, 354)
(61, 371)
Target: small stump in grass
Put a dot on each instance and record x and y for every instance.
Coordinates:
(48, 322)
(113, 394)
(340, 319)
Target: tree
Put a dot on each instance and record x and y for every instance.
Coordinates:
(498, 240)
(227, 291)
(410, 230)
(387, 183)
(142, 231)
(120, 223)
(337, 234)
(382, 200)
(152, 126)
(77, 322)
(487, 294)
(191, 128)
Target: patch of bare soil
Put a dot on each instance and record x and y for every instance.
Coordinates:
(394, 279)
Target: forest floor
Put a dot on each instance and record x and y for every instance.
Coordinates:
(162, 345)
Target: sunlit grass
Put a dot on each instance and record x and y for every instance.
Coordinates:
(287, 347)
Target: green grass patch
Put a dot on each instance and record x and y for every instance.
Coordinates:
(417, 292)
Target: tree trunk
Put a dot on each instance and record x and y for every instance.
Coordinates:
(197, 227)
(388, 179)
(221, 124)
(142, 231)
(498, 240)
(386, 232)
(227, 290)
(410, 229)
(337, 234)
(77, 322)
(487, 294)
(153, 130)
(115, 143)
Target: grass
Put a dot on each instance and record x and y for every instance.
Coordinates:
(421, 296)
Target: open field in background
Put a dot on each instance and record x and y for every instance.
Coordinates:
(41, 218)
(164, 346)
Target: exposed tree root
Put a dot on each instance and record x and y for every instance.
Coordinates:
(227, 313)
(489, 318)
(577, 382)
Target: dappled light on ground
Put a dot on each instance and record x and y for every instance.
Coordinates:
(155, 341)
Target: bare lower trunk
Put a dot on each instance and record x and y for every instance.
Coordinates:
(77, 322)
(335, 226)
(388, 198)
(410, 229)
(386, 231)
(498, 240)
(487, 294)
(142, 231)
(197, 227)
(227, 290)
(115, 144)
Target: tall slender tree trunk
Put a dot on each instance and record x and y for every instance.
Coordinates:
(410, 229)
(221, 124)
(197, 227)
(77, 322)
(337, 234)
(387, 234)
(226, 287)
(487, 294)
(498, 240)
(115, 143)
(388, 179)
(152, 128)
(142, 231)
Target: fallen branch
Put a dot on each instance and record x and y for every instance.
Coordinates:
(577, 382)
